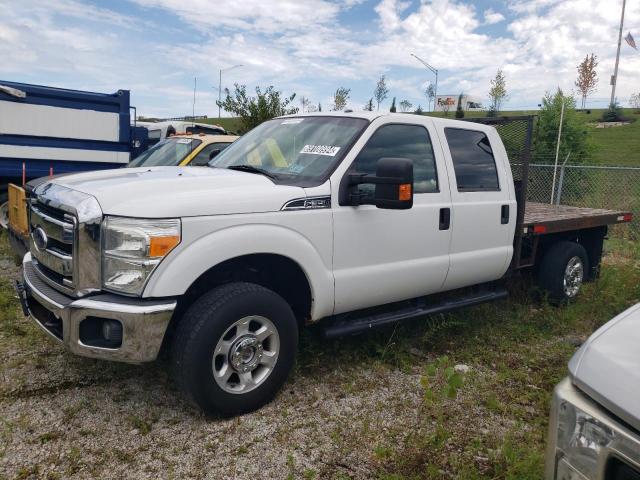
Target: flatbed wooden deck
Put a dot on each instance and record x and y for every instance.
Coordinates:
(542, 218)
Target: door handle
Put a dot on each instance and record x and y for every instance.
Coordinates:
(445, 218)
(504, 214)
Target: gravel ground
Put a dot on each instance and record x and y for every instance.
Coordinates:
(353, 408)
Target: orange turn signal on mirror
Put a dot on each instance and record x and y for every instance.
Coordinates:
(404, 192)
(160, 246)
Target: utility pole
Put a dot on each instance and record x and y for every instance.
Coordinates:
(220, 85)
(614, 78)
(435, 71)
(193, 110)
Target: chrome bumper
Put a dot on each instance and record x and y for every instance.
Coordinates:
(144, 322)
(624, 445)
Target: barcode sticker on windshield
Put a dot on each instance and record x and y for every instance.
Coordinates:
(327, 150)
(292, 121)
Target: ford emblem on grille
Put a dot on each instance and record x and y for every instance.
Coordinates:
(40, 238)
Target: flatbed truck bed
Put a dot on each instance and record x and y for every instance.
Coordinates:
(542, 218)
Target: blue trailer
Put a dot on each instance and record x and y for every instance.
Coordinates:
(48, 131)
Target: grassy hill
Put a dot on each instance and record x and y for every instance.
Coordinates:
(612, 146)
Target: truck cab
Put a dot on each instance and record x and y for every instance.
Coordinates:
(354, 220)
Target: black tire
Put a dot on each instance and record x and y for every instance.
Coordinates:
(203, 325)
(551, 274)
(4, 209)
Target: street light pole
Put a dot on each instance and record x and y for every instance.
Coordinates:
(220, 85)
(435, 71)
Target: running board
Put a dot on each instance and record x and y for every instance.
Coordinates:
(357, 325)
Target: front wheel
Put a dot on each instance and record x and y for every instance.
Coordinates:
(562, 271)
(234, 348)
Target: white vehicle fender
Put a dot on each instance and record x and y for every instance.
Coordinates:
(188, 262)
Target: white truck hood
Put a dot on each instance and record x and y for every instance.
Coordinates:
(157, 192)
(607, 366)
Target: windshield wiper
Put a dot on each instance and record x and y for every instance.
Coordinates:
(252, 169)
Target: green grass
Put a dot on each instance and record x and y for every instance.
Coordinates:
(492, 422)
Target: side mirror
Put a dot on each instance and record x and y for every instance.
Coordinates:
(397, 194)
(214, 153)
(393, 185)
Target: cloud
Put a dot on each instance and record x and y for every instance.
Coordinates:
(311, 47)
(492, 17)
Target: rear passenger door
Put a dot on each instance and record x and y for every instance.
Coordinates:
(483, 205)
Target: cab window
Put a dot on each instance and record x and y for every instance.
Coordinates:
(473, 160)
(401, 141)
(204, 156)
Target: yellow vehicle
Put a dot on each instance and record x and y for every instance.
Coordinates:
(182, 150)
(177, 150)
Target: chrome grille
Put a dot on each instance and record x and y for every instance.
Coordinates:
(65, 238)
(52, 239)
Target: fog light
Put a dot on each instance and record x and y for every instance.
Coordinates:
(112, 332)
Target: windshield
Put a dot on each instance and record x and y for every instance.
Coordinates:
(166, 153)
(300, 151)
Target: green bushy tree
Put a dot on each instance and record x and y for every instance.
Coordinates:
(253, 111)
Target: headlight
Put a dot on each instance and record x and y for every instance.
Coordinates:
(132, 248)
(580, 437)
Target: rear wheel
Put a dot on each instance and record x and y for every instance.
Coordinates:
(563, 270)
(4, 210)
(234, 348)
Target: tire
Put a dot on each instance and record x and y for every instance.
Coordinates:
(226, 332)
(4, 210)
(563, 270)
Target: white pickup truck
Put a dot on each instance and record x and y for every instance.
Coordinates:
(355, 219)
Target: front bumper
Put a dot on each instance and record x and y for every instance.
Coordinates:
(144, 322)
(621, 448)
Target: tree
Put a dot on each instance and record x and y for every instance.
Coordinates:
(405, 105)
(498, 91)
(319, 107)
(418, 110)
(613, 113)
(430, 93)
(381, 91)
(340, 99)
(587, 77)
(574, 138)
(634, 101)
(255, 110)
(304, 103)
(445, 108)
(393, 105)
(459, 110)
(369, 106)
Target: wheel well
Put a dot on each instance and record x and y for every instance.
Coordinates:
(275, 272)
(591, 239)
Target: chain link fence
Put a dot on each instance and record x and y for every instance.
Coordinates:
(594, 186)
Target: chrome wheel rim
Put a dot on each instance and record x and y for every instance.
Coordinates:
(4, 215)
(246, 354)
(573, 275)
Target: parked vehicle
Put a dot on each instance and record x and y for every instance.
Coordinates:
(160, 130)
(49, 131)
(183, 150)
(594, 430)
(352, 219)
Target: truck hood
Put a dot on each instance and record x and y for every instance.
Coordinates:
(160, 192)
(607, 366)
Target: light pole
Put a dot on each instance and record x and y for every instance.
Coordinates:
(220, 85)
(435, 71)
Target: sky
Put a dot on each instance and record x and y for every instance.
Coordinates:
(155, 48)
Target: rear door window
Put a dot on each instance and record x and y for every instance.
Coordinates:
(473, 160)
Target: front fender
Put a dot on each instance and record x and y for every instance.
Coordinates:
(188, 262)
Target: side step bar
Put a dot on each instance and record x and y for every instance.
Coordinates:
(357, 325)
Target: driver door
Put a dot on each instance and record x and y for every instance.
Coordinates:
(383, 256)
